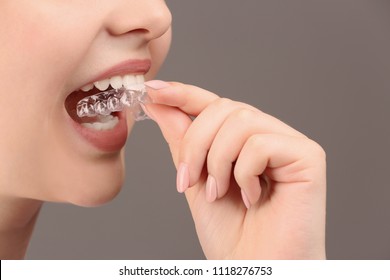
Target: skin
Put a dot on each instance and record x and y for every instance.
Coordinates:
(286, 214)
(42, 159)
(50, 49)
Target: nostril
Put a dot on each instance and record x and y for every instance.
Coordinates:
(116, 31)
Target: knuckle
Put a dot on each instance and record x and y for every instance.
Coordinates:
(222, 102)
(316, 149)
(257, 141)
(243, 115)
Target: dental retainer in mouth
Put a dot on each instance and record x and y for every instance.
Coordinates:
(115, 100)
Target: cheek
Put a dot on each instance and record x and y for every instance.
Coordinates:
(43, 42)
(36, 56)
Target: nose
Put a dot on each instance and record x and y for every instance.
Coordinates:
(151, 17)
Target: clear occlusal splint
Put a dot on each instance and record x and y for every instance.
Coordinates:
(115, 100)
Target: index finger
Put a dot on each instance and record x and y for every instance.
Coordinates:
(188, 98)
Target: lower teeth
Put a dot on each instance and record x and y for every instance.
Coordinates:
(104, 123)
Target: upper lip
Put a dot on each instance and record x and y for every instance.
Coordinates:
(131, 66)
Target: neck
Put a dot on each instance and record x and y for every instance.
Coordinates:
(17, 220)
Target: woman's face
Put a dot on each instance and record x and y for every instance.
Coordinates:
(50, 49)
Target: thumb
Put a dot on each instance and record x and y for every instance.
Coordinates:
(173, 124)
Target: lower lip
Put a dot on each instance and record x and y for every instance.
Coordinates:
(112, 140)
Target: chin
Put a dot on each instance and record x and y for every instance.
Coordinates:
(89, 184)
(97, 195)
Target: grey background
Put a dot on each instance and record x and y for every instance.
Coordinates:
(320, 66)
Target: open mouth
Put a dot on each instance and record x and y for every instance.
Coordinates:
(108, 120)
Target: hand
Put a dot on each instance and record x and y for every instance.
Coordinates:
(256, 187)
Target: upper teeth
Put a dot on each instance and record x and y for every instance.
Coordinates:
(116, 82)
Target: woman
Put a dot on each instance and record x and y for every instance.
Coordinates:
(232, 159)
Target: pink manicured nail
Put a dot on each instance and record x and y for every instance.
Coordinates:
(245, 199)
(157, 84)
(211, 189)
(183, 178)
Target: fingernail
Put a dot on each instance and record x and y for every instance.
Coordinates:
(183, 178)
(211, 189)
(156, 84)
(245, 199)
